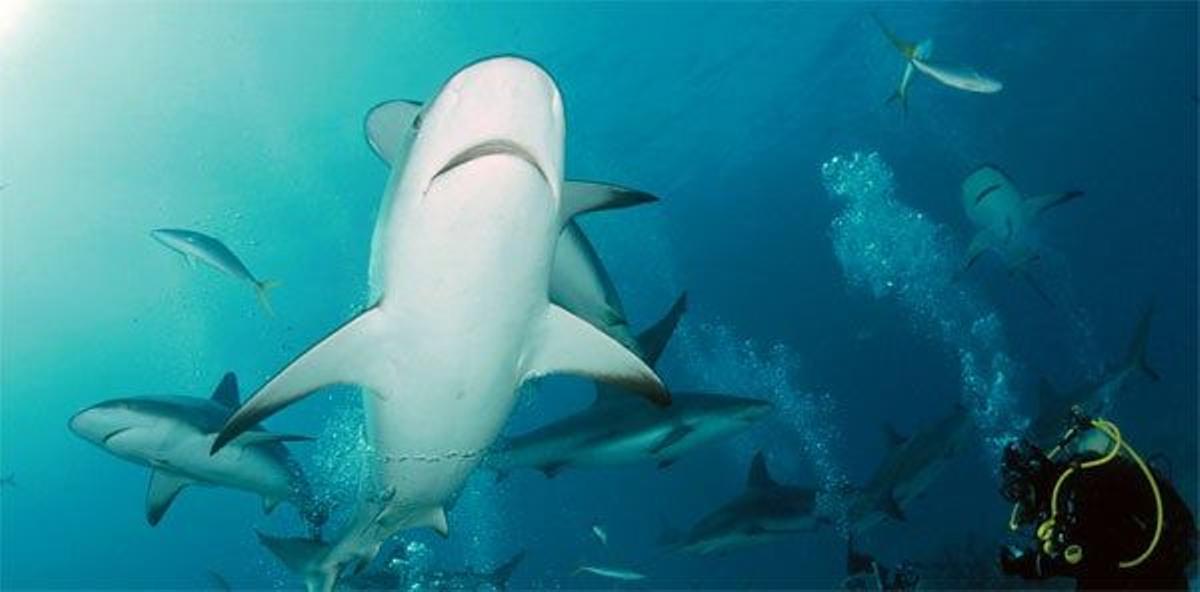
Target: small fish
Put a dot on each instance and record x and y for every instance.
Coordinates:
(615, 573)
(195, 245)
(600, 534)
(959, 77)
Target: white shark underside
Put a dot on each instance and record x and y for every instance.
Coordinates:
(1003, 216)
(461, 260)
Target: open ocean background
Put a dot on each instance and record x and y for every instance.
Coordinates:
(244, 120)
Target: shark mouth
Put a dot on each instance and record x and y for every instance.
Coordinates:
(489, 148)
(114, 434)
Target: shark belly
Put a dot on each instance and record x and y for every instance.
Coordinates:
(467, 272)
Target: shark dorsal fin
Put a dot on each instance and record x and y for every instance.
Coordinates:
(759, 477)
(226, 392)
(386, 125)
(893, 438)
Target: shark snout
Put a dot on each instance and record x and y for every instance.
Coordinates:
(503, 105)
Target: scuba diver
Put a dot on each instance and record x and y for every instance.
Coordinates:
(1100, 514)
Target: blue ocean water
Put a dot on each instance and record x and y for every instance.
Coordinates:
(815, 228)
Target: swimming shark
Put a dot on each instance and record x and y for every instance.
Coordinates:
(578, 280)
(910, 467)
(916, 59)
(172, 435)
(764, 512)
(197, 246)
(399, 573)
(461, 316)
(1004, 217)
(617, 429)
(1093, 398)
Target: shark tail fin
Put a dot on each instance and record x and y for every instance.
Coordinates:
(500, 576)
(303, 556)
(261, 290)
(1136, 357)
(1038, 204)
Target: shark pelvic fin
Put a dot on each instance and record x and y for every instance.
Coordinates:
(346, 356)
(270, 503)
(435, 519)
(226, 392)
(499, 577)
(759, 477)
(579, 197)
(385, 127)
(163, 489)
(561, 342)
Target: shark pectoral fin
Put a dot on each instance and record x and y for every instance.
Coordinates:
(983, 241)
(564, 343)
(385, 126)
(346, 356)
(163, 489)
(1036, 205)
(672, 437)
(579, 197)
(255, 438)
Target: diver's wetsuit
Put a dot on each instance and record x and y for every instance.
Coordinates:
(1109, 512)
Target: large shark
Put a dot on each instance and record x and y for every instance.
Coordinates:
(909, 469)
(617, 429)
(460, 316)
(766, 511)
(172, 435)
(1095, 397)
(1003, 216)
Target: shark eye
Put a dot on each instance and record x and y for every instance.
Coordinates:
(417, 122)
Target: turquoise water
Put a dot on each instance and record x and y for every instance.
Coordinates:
(245, 121)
